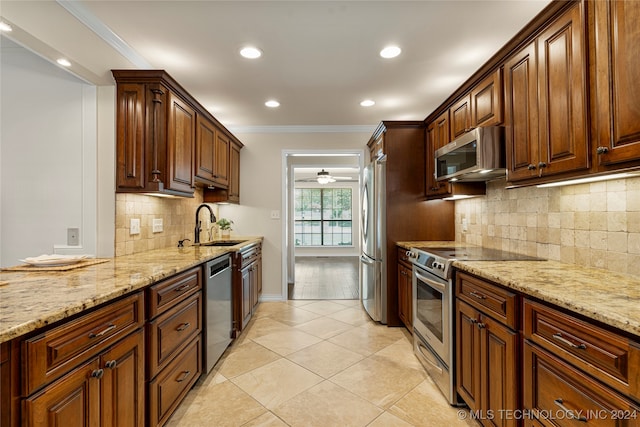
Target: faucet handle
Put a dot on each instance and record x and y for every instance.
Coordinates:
(181, 242)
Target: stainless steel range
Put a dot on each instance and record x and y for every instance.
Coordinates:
(433, 308)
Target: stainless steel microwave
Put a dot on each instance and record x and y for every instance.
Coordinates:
(478, 155)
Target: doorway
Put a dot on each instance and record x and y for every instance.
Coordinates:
(322, 210)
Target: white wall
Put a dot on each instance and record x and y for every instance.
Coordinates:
(261, 188)
(48, 152)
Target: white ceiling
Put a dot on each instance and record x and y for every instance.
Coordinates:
(320, 57)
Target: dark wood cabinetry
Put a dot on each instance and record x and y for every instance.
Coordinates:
(487, 350)
(96, 374)
(405, 289)
(166, 141)
(437, 137)
(409, 216)
(247, 285)
(486, 101)
(615, 59)
(230, 192)
(546, 101)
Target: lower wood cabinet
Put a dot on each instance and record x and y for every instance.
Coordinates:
(247, 285)
(405, 290)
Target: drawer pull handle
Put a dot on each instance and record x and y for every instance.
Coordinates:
(183, 326)
(565, 341)
(97, 373)
(185, 375)
(477, 295)
(109, 328)
(182, 288)
(111, 364)
(570, 414)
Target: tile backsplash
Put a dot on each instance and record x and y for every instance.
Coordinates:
(177, 214)
(595, 225)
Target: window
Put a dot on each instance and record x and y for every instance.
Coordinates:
(323, 217)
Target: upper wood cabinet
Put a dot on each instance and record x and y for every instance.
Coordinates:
(167, 143)
(460, 115)
(616, 83)
(486, 101)
(231, 192)
(234, 172)
(437, 136)
(545, 93)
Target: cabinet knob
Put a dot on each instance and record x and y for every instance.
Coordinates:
(531, 167)
(111, 364)
(472, 321)
(602, 150)
(542, 165)
(481, 325)
(97, 373)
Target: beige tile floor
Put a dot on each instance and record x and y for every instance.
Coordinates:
(317, 363)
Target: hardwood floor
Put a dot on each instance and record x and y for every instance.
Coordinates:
(326, 278)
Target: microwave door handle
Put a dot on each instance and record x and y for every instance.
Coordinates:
(436, 285)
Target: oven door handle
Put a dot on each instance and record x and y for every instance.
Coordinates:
(427, 357)
(436, 285)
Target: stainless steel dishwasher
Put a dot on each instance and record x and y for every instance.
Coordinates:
(218, 321)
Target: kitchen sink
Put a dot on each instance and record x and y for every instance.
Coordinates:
(223, 243)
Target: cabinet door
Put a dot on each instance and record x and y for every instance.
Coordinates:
(617, 82)
(246, 295)
(123, 395)
(234, 175)
(180, 145)
(468, 361)
(499, 374)
(486, 101)
(437, 136)
(72, 401)
(130, 147)
(460, 115)
(521, 114)
(205, 144)
(254, 285)
(405, 301)
(562, 94)
(221, 160)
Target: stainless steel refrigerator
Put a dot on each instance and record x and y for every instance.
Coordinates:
(373, 277)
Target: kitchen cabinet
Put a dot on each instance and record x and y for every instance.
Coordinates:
(88, 371)
(487, 349)
(546, 102)
(460, 114)
(167, 143)
(230, 193)
(174, 337)
(405, 290)
(437, 137)
(487, 101)
(247, 285)
(616, 84)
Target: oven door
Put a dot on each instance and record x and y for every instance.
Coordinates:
(431, 312)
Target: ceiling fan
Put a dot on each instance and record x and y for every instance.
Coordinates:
(324, 177)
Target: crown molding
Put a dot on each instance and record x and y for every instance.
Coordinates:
(304, 129)
(83, 15)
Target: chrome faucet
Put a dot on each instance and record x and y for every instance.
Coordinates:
(198, 229)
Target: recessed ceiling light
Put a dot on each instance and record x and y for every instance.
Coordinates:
(390, 52)
(5, 27)
(367, 103)
(64, 62)
(272, 103)
(251, 52)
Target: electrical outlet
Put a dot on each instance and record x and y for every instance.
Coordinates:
(157, 225)
(73, 237)
(134, 226)
(275, 214)
(465, 225)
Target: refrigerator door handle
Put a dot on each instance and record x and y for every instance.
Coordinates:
(365, 259)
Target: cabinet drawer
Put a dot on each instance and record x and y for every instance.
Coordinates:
(170, 331)
(495, 301)
(173, 383)
(603, 354)
(55, 352)
(249, 255)
(163, 295)
(403, 258)
(569, 397)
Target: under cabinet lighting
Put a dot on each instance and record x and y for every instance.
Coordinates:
(5, 27)
(460, 197)
(64, 62)
(590, 179)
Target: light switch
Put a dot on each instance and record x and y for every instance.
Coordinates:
(134, 226)
(275, 214)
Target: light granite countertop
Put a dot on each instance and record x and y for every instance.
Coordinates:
(31, 300)
(603, 295)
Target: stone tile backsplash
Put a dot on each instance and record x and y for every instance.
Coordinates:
(595, 225)
(177, 214)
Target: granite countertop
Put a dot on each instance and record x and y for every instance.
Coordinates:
(31, 300)
(606, 296)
